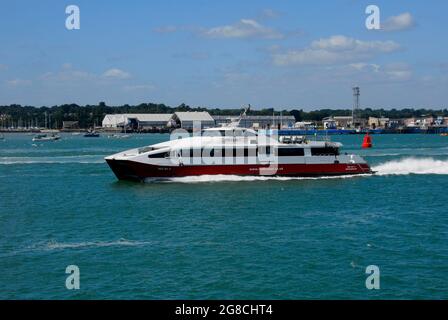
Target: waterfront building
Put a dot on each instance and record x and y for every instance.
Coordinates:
(343, 121)
(186, 120)
(375, 123)
(329, 123)
(258, 122)
(137, 121)
(70, 125)
(305, 125)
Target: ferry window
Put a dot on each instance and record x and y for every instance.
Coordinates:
(327, 151)
(228, 152)
(208, 152)
(291, 152)
(249, 134)
(195, 153)
(265, 150)
(218, 152)
(188, 153)
(240, 152)
(185, 153)
(145, 149)
(159, 155)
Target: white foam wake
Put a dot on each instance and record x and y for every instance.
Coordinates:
(54, 245)
(412, 166)
(235, 178)
(84, 159)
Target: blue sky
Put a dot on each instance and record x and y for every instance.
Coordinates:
(281, 54)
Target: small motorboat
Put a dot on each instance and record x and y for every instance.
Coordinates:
(119, 136)
(445, 134)
(91, 134)
(46, 137)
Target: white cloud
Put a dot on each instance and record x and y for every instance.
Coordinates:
(398, 71)
(362, 66)
(371, 73)
(333, 50)
(400, 22)
(67, 66)
(343, 43)
(166, 29)
(198, 55)
(66, 75)
(116, 74)
(245, 28)
(269, 14)
(18, 82)
(139, 87)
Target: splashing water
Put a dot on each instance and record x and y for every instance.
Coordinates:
(235, 178)
(412, 166)
(83, 159)
(54, 245)
(396, 167)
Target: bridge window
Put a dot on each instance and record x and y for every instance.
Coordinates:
(265, 150)
(159, 155)
(291, 152)
(326, 151)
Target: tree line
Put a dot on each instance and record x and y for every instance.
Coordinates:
(90, 115)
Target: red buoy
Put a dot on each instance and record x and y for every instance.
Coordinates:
(367, 142)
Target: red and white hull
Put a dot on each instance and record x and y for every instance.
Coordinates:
(130, 170)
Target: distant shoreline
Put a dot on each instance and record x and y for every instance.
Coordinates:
(285, 131)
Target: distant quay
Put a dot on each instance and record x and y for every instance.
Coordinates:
(281, 132)
(159, 118)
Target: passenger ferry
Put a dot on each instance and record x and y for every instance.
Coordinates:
(232, 150)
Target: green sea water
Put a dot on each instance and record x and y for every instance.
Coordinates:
(222, 237)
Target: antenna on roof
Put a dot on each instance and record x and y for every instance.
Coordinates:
(236, 122)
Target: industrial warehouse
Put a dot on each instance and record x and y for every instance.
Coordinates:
(157, 122)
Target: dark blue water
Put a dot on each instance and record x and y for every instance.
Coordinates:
(233, 238)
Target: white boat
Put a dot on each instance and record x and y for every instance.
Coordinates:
(46, 137)
(119, 136)
(92, 134)
(232, 150)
